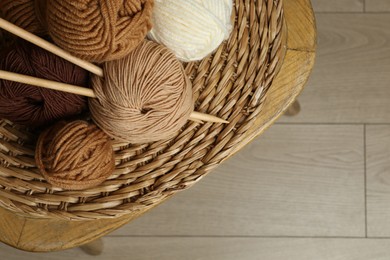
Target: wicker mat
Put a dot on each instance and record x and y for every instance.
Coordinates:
(231, 84)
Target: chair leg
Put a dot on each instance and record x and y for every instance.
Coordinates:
(294, 109)
(93, 248)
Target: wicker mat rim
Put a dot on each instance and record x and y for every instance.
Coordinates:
(232, 84)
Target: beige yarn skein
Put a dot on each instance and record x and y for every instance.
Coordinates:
(144, 97)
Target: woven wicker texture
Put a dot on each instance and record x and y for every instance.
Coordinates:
(232, 84)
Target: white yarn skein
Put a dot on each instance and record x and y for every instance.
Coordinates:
(192, 29)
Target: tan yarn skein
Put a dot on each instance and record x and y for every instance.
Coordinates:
(75, 156)
(143, 97)
(99, 30)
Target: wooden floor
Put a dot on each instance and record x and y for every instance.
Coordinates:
(314, 187)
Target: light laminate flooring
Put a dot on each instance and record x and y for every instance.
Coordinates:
(313, 187)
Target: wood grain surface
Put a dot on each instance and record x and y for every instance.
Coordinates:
(378, 180)
(11, 227)
(350, 81)
(168, 248)
(338, 5)
(314, 186)
(49, 235)
(377, 6)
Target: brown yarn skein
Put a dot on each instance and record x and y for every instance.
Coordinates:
(33, 106)
(143, 97)
(99, 30)
(75, 156)
(27, 14)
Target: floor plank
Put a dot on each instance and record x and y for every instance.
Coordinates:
(338, 5)
(171, 248)
(297, 180)
(350, 81)
(377, 5)
(378, 181)
(293, 181)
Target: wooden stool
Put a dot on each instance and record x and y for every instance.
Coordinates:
(42, 235)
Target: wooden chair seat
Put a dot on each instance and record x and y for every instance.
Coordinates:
(43, 235)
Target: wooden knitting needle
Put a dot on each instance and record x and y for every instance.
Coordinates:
(196, 116)
(58, 86)
(50, 47)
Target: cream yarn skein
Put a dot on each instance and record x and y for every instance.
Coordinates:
(192, 29)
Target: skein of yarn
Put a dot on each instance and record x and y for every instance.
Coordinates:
(75, 156)
(97, 30)
(28, 14)
(143, 97)
(192, 29)
(32, 106)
